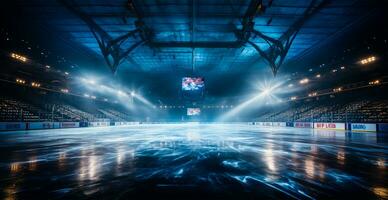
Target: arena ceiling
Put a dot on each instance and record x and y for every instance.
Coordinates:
(196, 35)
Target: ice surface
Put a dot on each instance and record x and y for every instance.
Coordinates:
(193, 161)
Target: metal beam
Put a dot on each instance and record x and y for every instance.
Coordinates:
(274, 54)
(110, 47)
(198, 44)
(248, 20)
(193, 17)
(145, 33)
(307, 14)
(277, 49)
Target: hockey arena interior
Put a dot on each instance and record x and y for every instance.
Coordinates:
(194, 99)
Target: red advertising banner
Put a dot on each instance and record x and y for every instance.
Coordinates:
(336, 126)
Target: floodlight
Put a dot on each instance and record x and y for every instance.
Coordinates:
(266, 91)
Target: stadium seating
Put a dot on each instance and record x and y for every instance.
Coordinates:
(74, 113)
(364, 107)
(16, 110)
(12, 110)
(115, 115)
(326, 111)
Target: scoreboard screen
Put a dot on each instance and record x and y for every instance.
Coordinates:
(193, 111)
(193, 83)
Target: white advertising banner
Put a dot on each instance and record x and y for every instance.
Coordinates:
(303, 125)
(126, 123)
(363, 127)
(96, 124)
(279, 124)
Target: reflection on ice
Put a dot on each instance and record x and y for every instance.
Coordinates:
(62, 160)
(203, 159)
(269, 158)
(90, 166)
(381, 192)
(15, 167)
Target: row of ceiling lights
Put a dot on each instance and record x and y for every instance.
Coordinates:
(18, 57)
(23, 82)
(30, 46)
(337, 89)
(24, 59)
(62, 90)
(304, 81)
(364, 61)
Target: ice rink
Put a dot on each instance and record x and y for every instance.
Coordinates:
(193, 161)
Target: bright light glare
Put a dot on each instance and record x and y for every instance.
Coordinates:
(121, 93)
(90, 83)
(267, 95)
(266, 91)
(143, 100)
(368, 60)
(89, 80)
(304, 81)
(19, 57)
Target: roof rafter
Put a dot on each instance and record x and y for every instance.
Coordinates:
(111, 48)
(277, 48)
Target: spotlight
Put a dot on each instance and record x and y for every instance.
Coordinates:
(133, 93)
(304, 81)
(35, 84)
(376, 82)
(368, 60)
(339, 89)
(313, 94)
(20, 81)
(120, 93)
(266, 91)
(89, 80)
(18, 57)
